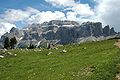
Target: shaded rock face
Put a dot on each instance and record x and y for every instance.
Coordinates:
(16, 32)
(62, 32)
(71, 34)
(97, 29)
(106, 31)
(66, 35)
(13, 30)
(27, 36)
(112, 31)
(91, 29)
(49, 35)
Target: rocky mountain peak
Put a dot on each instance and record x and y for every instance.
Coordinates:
(62, 32)
(13, 30)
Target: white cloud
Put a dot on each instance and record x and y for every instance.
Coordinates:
(14, 15)
(5, 27)
(46, 16)
(108, 12)
(71, 16)
(83, 10)
(31, 10)
(58, 3)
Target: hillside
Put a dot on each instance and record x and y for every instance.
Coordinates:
(86, 61)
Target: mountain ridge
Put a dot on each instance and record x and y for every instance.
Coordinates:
(61, 32)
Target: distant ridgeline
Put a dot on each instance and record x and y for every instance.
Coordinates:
(59, 32)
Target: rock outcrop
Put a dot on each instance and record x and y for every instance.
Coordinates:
(91, 29)
(106, 31)
(112, 31)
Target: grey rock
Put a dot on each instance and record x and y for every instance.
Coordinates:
(49, 35)
(26, 43)
(61, 23)
(106, 31)
(66, 35)
(16, 32)
(1, 45)
(91, 29)
(27, 36)
(112, 31)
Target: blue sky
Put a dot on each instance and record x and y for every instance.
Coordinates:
(38, 4)
(41, 5)
(20, 13)
(20, 4)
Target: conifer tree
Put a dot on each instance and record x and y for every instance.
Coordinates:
(13, 41)
(6, 43)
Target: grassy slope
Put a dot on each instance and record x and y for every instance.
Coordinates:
(97, 62)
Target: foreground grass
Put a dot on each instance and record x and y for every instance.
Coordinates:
(87, 61)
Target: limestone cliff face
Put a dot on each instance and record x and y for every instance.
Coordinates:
(91, 29)
(108, 32)
(112, 31)
(62, 32)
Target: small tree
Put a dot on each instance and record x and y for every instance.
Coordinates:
(31, 46)
(6, 43)
(13, 41)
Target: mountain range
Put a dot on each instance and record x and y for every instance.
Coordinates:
(59, 32)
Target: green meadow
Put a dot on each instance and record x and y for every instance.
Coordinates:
(86, 61)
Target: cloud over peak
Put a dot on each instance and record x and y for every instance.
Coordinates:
(108, 12)
(5, 27)
(11, 16)
(79, 8)
(46, 16)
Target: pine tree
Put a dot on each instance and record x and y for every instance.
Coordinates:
(13, 41)
(31, 46)
(6, 43)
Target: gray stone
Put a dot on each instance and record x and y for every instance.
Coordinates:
(91, 29)
(106, 31)
(112, 31)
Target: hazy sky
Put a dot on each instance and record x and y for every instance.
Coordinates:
(19, 13)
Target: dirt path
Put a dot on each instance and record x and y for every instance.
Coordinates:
(117, 43)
